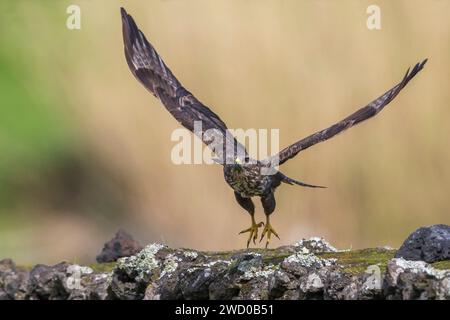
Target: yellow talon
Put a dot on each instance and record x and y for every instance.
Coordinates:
(253, 230)
(269, 230)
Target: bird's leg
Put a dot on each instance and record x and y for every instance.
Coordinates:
(253, 230)
(268, 203)
(248, 205)
(268, 230)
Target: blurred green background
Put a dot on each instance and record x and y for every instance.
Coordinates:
(84, 149)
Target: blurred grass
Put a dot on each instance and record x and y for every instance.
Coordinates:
(86, 150)
(34, 131)
(31, 132)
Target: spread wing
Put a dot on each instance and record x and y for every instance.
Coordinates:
(359, 116)
(148, 67)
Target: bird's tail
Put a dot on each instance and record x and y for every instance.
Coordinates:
(291, 181)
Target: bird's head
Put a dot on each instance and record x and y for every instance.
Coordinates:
(240, 162)
(237, 164)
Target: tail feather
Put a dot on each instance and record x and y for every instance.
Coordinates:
(291, 181)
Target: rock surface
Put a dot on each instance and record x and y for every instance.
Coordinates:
(12, 281)
(429, 244)
(122, 245)
(310, 269)
(413, 280)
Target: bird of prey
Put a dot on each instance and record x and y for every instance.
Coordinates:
(242, 173)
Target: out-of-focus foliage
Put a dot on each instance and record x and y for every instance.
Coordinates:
(84, 149)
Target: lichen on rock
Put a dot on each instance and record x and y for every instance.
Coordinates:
(141, 265)
(314, 245)
(415, 280)
(308, 260)
(310, 269)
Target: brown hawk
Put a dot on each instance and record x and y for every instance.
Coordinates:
(245, 175)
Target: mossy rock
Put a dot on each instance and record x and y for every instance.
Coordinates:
(357, 261)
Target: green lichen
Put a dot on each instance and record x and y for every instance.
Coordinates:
(103, 267)
(225, 255)
(442, 265)
(275, 256)
(141, 265)
(357, 261)
(309, 260)
(269, 256)
(25, 267)
(170, 265)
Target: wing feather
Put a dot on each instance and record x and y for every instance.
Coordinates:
(361, 115)
(149, 69)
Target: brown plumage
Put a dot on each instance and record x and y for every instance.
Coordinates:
(362, 114)
(243, 174)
